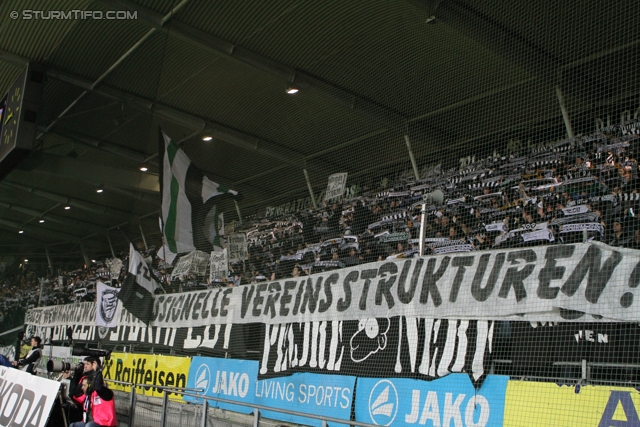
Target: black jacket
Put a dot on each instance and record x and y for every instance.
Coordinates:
(30, 363)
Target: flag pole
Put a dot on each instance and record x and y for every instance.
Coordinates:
(161, 149)
(131, 243)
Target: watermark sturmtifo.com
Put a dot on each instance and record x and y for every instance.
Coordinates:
(74, 14)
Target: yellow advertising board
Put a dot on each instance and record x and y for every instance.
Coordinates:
(531, 404)
(150, 369)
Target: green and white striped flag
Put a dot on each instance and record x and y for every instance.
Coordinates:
(190, 219)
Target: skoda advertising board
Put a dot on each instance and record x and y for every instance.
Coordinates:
(237, 380)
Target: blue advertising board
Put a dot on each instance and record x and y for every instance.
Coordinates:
(225, 378)
(329, 395)
(451, 400)
(237, 380)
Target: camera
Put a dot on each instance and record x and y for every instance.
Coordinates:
(58, 366)
(79, 350)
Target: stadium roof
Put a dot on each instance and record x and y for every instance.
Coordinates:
(448, 73)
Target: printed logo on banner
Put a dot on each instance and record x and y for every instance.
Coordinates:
(149, 369)
(203, 377)
(447, 401)
(369, 339)
(226, 378)
(236, 380)
(107, 305)
(383, 403)
(26, 399)
(103, 332)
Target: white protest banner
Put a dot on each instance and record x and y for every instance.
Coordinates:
(218, 265)
(335, 186)
(199, 263)
(106, 305)
(182, 267)
(27, 399)
(237, 246)
(542, 283)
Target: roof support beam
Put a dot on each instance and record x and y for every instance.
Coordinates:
(80, 170)
(218, 46)
(76, 203)
(129, 154)
(105, 146)
(229, 135)
(51, 217)
(113, 66)
(226, 134)
(40, 230)
(21, 238)
(494, 36)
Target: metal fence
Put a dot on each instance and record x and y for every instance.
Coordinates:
(138, 410)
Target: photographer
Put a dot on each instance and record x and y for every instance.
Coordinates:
(30, 363)
(98, 400)
(86, 369)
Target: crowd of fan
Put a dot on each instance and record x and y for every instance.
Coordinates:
(576, 190)
(582, 189)
(26, 286)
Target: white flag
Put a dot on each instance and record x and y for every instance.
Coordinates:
(106, 305)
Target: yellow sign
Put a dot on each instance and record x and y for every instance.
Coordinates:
(149, 369)
(530, 404)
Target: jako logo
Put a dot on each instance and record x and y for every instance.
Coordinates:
(383, 403)
(203, 377)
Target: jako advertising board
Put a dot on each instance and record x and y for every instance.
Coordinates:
(152, 369)
(25, 399)
(449, 401)
(303, 392)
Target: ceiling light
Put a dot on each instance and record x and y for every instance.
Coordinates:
(207, 138)
(20, 232)
(93, 260)
(26, 260)
(292, 89)
(66, 208)
(143, 168)
(99, 190)
(41, 221)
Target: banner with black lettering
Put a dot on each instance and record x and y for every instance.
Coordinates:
(237, 245)
(335, 186)
(218, 265)
(541, 283)
(148, 369)
(220, 340)
(26, 399)
(406, 347)
(539, 347)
